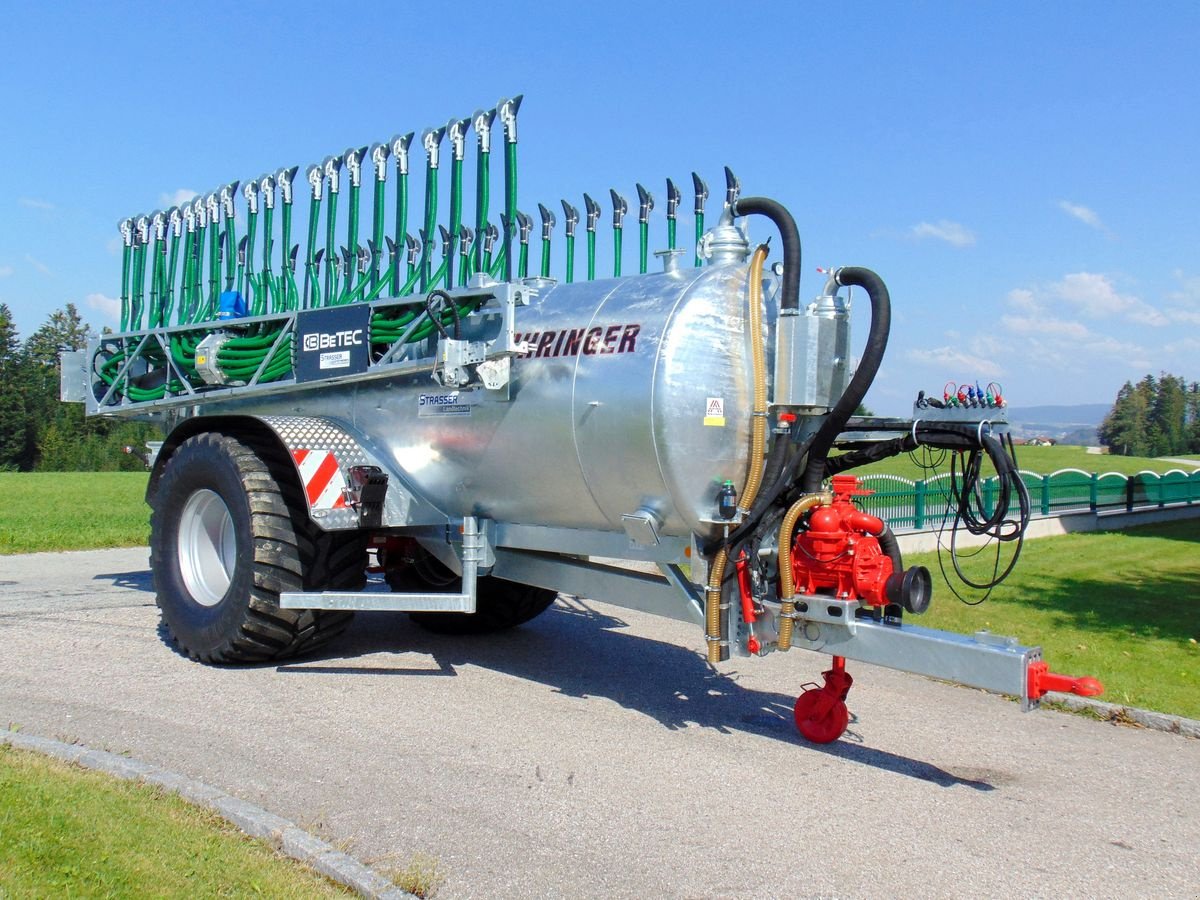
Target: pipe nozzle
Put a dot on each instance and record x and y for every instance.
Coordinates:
(570, 218)
(645, 204)
(701, 188)
(593, 211)
(620, 207)
(399, 146)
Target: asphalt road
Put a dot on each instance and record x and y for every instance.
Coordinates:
(593, 753)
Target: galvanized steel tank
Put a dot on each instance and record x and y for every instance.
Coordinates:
(636, 395)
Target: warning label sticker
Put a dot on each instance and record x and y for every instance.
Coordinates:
(337, 360)
(447, 403)
(714, 411)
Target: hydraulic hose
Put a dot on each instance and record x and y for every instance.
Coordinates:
(877, 338)
(787, 584)
(758, 439)
(777, 213)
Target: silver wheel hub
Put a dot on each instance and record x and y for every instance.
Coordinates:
(207, 547)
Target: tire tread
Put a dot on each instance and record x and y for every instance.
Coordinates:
(290, 553)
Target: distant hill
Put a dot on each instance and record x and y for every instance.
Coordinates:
(1080, 414)
(1068, 424)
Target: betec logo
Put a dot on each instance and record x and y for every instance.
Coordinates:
(333, 339)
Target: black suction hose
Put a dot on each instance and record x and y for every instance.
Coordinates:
(777, 213)
(877, 338)
(891, 547)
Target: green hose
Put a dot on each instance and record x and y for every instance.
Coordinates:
(456, 204)
(269, 299)
(168, 302)
(214, 269)
(312, 290)
(288, 277)
(330, 246)
(249, 275)
(481, 207)
(401, 224)
(139, 275)
(445, 271)
(426, 264)
(185, 280)
(126, 263)
(230, 252)
(156, 273)
(510, 203)
(377, 228)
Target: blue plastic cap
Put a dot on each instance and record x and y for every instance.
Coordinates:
(231, 305)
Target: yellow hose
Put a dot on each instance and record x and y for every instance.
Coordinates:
(787, 586)
(758, 441)
(758, 419)
(712, 606)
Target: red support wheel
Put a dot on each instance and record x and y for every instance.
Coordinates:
(821, 717)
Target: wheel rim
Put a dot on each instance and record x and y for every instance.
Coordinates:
(820, 716)
(207, 547)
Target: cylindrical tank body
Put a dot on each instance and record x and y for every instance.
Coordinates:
(635, 396)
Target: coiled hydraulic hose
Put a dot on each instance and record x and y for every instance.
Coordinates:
(877, 338)
(758, 439)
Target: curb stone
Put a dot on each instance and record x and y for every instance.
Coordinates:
(285, 836)
(1114, 712)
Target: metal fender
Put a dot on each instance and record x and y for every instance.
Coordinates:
(324, 453)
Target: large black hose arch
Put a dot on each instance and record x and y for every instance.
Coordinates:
(877, 338)
(789, 295)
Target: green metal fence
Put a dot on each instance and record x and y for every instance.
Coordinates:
(916, 505)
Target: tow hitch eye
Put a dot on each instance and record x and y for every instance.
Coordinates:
(1042, 681)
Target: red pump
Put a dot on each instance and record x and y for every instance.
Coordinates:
(840, 554)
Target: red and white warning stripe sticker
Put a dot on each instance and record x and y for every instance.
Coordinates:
(322, 478)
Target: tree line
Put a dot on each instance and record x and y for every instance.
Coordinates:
(37, 431)
(1155, 417)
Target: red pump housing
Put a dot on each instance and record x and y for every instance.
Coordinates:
(839, 553)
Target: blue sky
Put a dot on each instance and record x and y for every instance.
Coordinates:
(1024, 176)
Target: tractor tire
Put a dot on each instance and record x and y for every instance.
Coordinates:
(229, 532)
(499, 604)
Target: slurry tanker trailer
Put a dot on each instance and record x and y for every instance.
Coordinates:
(421, 407)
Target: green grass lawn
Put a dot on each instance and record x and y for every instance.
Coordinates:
(1042, 460)
(72, 511)
(69, 832)
(1119, 605)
